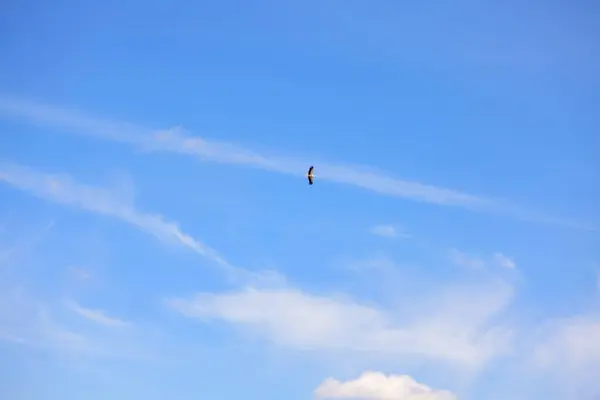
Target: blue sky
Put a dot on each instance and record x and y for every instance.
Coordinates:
(158, 238)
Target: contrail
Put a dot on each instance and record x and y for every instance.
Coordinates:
(177, 140)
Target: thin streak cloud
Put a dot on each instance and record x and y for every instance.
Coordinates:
(61, 189)
(177, 140)
(97, 316)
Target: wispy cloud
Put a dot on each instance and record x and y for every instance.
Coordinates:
(452, 324)
(388, 231)
(62, 189)
(477, 262)
(567, 351)
(465, 260)
(7, 252)
(178, 140)
(571, 343)
(33, 315)
(97, 316)
(504, 261)
(377, 386)
(28, 320)
(80, 273)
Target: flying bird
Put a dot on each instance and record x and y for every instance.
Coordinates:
(310, 175)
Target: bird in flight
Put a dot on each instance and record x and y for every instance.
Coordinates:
(310, 175)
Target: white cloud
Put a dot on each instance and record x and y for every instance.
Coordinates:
(377, 386)
(28, 321)
(97, 316)
(567, 353)
(504, 261)
(25, 320)
(178, 141)
(572, 343)
(475, 262)
(42, 324)
(465, 260)
(61, 189)
(80, 273)
(452, 324)
(11, 251)
(31, 316)
(386, 231)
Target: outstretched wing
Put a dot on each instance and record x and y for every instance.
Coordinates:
(310, 180)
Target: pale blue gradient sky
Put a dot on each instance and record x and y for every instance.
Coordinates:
(152, 151)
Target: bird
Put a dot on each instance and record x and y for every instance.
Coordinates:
(310, 175)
